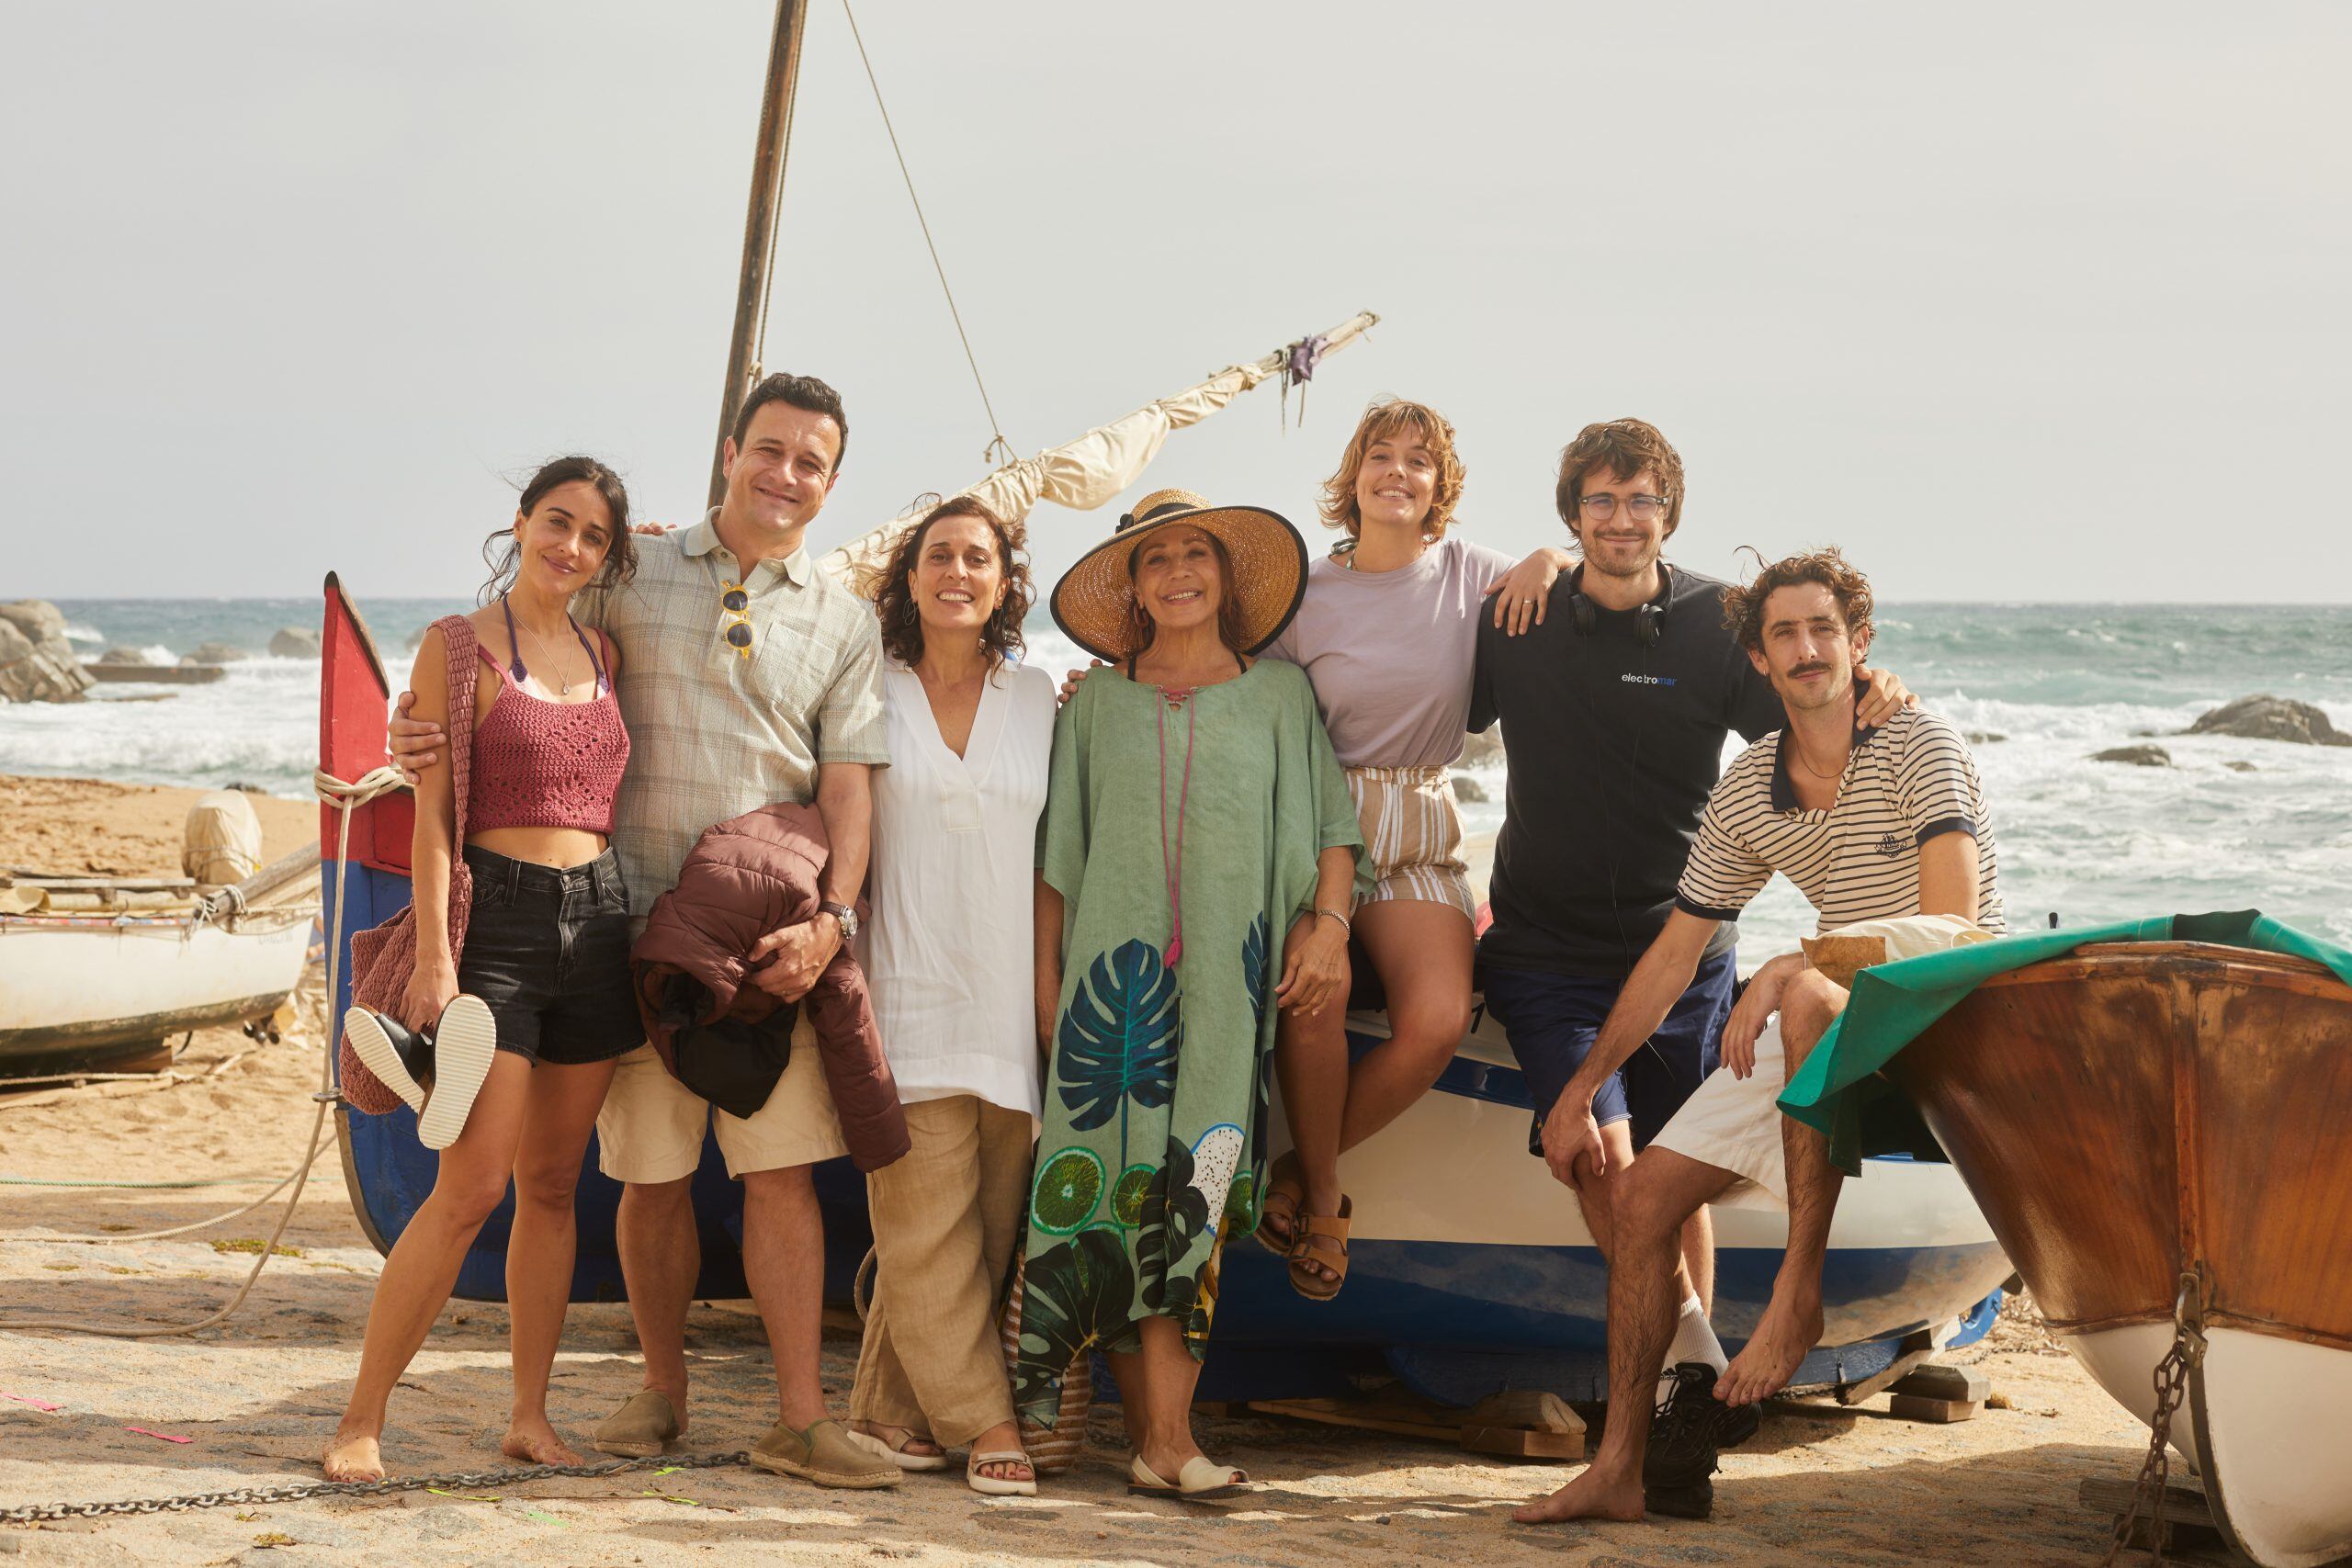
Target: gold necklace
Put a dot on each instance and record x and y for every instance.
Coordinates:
(1806, 763)
(563, 682)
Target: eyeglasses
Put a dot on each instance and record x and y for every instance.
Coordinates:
(1640, 508)
(737, 604)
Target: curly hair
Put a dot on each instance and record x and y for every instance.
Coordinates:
(502, 553)
(1625, 447)
(894, 596)
(1382, 421)
(1744, 606)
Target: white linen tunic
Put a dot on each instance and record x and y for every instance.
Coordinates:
(948, 954)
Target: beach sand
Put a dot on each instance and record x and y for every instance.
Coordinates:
(257, 1396)
(94, 828)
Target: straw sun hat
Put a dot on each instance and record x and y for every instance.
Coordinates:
(1094, 601)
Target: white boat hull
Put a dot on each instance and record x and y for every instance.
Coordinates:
(2263, 1428)
(72, 985)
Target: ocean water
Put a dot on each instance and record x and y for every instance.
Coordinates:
(2085, 841)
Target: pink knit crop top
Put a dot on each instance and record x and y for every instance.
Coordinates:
(543, 764)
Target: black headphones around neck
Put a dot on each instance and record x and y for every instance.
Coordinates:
(1650, 619)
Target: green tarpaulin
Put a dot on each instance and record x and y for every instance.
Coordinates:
(1838, 1089)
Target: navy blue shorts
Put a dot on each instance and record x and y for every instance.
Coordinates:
(1553, 1020)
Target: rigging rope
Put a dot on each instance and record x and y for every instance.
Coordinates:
(999, 449)
(344, 797)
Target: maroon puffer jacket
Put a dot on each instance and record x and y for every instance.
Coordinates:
(747, 876)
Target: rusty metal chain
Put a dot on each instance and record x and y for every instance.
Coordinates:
(468, 1480)
(2172, 1386)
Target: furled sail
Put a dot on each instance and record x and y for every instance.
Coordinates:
(1084, 473)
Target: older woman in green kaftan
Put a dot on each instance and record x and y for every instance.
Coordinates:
(1182, 832)
(1184, 842)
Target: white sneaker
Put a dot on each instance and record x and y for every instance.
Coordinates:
(385, 1044)
(464, 1041)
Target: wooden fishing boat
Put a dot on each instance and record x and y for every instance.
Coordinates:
(2157, 1134)
(96, 971)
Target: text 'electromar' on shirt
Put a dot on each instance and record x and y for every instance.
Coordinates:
(1904, 783)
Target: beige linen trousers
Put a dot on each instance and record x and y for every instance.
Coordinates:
(946, 1217)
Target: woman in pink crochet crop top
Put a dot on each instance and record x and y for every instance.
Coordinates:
(518, 1007)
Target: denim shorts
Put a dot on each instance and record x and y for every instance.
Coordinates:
(548, 951)
(1552, 1021)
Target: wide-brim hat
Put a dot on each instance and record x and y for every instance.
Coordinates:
(1094, 601)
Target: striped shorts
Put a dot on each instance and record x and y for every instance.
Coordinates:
(1414, 833)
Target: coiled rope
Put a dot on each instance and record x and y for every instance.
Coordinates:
(345, 797)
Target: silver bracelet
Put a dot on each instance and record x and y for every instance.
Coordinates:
(1345, 924)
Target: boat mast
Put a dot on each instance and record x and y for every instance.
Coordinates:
(760, 228)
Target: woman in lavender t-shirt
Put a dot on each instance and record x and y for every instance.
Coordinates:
(1387, 634)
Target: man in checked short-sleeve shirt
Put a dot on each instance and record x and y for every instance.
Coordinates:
(751, 676)
(1881, 826)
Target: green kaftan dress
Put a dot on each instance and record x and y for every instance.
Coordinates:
(1155, 1112)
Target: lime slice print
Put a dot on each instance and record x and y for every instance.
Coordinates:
(1126, 1198)
(1068, 1187)
(1241, 1198)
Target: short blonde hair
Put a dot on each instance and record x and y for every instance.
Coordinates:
(1381, 421)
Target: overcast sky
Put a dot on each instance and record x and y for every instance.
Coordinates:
(2031, 301)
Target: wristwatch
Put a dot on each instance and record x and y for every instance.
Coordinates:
(846, 915)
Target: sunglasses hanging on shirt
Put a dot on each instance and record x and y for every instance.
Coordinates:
(737, 605)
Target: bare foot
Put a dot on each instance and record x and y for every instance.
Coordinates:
(1789, 1331)
(354, 1456)
(535, 1442)
(1592, 1496)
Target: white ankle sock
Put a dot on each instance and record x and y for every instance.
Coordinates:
(1694, 1341)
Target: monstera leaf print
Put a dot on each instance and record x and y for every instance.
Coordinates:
(1242, 1201)
(1175, 1213)
(1118, 1037)
(1077, 1292)
(1253, 964)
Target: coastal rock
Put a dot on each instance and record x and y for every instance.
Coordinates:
(215, 653)
(2241, 767)
(40, 620)
(2265, 717)
(1478, 751)
(37, 663)
(1469, 788)
(125, 656)
(294, 642)
(2138, 756)
(1984, 737)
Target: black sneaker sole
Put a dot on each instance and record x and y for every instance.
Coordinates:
(374, 1047)
(1694, 1500)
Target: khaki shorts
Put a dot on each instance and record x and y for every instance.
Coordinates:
(1734, 1124)
(1413, 831)
(651, 1129)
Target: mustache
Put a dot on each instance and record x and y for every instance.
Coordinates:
(1818, 667)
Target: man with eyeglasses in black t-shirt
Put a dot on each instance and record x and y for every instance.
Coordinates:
(1615, 708)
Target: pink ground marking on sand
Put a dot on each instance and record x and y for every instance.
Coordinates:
(29, 1399)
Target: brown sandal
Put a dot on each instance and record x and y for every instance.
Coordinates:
(1290, 1193)
(1324, 1242)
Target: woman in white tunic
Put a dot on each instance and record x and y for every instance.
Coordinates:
(949, 955)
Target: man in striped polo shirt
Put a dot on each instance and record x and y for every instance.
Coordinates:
(1883, 825)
